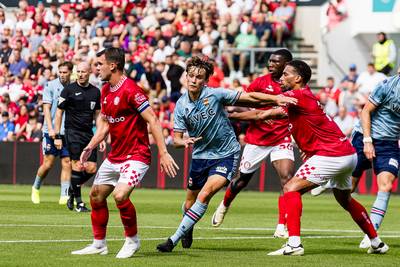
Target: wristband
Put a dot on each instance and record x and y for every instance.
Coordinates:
(57, 136)
(367, 140)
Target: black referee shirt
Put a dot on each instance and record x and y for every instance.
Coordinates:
(80, 105)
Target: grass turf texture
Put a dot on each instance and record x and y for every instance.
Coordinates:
(243, 240)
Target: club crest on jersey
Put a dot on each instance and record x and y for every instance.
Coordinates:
(140, 98)
(205, 101)
(116, 101)
(92, 104)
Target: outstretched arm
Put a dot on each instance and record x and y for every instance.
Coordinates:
(255, 99)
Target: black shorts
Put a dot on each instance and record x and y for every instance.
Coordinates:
(77, 141)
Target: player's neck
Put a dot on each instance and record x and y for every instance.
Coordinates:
(114, 80)
(194, 95)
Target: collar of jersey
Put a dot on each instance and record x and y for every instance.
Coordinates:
(118, 85)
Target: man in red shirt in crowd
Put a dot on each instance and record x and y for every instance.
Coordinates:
(126, 112)
(329, 158)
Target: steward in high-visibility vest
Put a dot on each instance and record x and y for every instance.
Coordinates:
(384, 52)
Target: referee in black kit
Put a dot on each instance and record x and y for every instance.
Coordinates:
(81, 102)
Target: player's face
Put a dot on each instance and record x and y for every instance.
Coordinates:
(64, 74)
(103, 68)
(196, 79)
(276, 64)
(289, 78)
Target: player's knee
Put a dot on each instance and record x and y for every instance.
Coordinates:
(66, 163)
(94, 193)
(48, 164)
(285, 177)
(385, 186)
(205, 196)
(119, 197)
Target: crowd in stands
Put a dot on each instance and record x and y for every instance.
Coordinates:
(158, 37)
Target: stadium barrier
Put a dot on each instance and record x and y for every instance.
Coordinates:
(19, 162)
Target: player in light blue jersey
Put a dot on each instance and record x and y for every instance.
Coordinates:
(216, 151)
(375, 138)
(51, 93)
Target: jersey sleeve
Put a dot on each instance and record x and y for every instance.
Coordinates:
(138, 99)
(63, 99)
(252, 87)
(226, 96)
(179, 120)
(380, 93)
(295, 94)
(47, 94)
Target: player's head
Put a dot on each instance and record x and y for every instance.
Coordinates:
(277, 62)
(109, 61)
(295, 75)
(83, 73)
(198, 70)
(64, 72)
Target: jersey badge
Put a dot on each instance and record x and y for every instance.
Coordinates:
(116, 101)
(140, 98)
(205, 101)
(92, 104)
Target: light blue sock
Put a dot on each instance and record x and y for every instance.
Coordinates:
(37, 183)
(379, 208)
(64, 188)
(192, 216)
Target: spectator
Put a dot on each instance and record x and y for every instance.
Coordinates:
(6, 128)
(5, 51)
(330, 90)
(243, 41)
(169, 141)
(162, 51)
(9, 106)
(217, 77)
(16, 89)
(283, 20)
(384, 54)
(4, 23)
(369, 79)
(226, 40)
(50, 14)
(344, 121)
(336, 13)
(17, 64)
(33, 130)
(167, 113)
(329, 104)
(21, 122)
(155, 81)
(350, 98)
(352, 75)
(174, 74)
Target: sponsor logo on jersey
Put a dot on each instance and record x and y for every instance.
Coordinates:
(202, 115)
(116, 101)
(139, 98)
(110, 119)
(269, 88)
(394, 163)
(221, 169)
(79, 93)
(92, 104)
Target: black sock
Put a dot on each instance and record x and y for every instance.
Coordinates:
(76, 178)
(86, 177)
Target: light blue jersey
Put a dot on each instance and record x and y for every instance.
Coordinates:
(385, 120)
(206, 118)
(51, 92)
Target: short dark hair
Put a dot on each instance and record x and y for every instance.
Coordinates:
(67, 64)
(287, 56)
(114, 55)
(202, 63)
(302, 69)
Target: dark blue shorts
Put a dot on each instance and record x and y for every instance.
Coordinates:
(387, 156)
(50, 149)
(201, 169)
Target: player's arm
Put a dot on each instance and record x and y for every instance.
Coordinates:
(246, 115)
(255, 99)
(167, 163)
(369, 149)
(180, 142)
(47, 118)
(102, 129)
(57, 128)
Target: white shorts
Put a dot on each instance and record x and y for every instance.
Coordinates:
(253, 155)
(322, 170)
(130, 172)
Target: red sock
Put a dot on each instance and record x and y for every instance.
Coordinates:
(127, 213)
(282, 210)
(99, 217)
(229, 196)
(294, 208)
(360, 216)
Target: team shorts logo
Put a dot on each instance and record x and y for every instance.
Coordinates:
(394, 163)
(221, 169)
(115, 120)
(92, 104)
(190, 182)
(116, 101)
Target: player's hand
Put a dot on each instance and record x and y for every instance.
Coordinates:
(191, 140)
(58, 143)
(102, 146)
(168, 165)
(52, 134)
(85, 154)
(282, 100)
(369, 151)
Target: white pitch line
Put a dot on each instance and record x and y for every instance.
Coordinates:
(196, 238)
(200, 228)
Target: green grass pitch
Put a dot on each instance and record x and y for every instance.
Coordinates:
(45, 234)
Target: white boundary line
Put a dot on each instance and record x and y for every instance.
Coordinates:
(200, 228)
(197, 238)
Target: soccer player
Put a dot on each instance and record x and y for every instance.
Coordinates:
(200, 111)
(51, 93)
(330, 157)
(263, 139)
(376, 141)
(125, 114)
(81, 102)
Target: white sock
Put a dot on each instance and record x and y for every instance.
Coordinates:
(375, 241)
(134, 239)
(99, 243)
(294, 241)
(280, 227)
